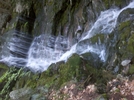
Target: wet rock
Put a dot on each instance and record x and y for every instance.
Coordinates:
(98, 38)
(126, 15)
(125, 62)
(39, 94)
(37, 97)
(55, 66)
(126, 65)
(20, 94)
(131, 69)
(92, 57)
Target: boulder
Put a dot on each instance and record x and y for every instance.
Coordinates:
(20, 93)
(125, 62)
(126, 15)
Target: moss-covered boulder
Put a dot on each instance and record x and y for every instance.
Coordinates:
(131, 70)
(37, 85)
(98, 39)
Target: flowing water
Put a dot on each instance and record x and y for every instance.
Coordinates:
(48, 49)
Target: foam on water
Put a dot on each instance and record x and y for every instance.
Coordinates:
(45, 50)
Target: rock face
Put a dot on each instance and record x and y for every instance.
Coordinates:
(63, 17)
(70, 19)
(121, 44)
(5, 14)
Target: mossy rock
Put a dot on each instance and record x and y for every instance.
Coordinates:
(126, 48)
(64, 73)
(125, 15)
(125, 40)
(125, 34)
(118, 3)
(68, 71)
(130, 46)
(75, 69)
(131, 70)
(3, 70)
(124, 25)
(99, 38)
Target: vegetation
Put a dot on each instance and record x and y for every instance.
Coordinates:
(76, 70)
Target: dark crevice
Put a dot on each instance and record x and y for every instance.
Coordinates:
(22, 37)
(58, 16)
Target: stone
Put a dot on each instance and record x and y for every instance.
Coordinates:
(20, 93)
(125, 62)
(126, 15)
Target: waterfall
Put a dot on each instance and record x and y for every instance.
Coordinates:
(47, 49)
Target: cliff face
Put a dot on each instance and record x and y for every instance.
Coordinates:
(66, 17)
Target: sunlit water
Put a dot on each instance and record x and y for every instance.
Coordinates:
(48, 49)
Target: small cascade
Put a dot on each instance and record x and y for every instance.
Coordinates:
(45, 50)
(105, 24)
(39, 53)
(19, 46)
(20, 41)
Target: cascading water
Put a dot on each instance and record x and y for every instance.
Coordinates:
(48, 49)
(16, 46)
(105, 24)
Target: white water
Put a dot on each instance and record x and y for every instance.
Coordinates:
(44, 51)
(106, 22)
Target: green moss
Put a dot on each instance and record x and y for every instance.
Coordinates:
(72, 70)
(3, 72)
(2, 66)
(125, 44)
(9, 79)
(118, 2)
(98, 38)
(109, 3)
(124, 24)
(131, 70)
(64, 18)
(76, 69)
(66, 72)
(3, 77)
(106, 3)
(125, 34)
(130, 46)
